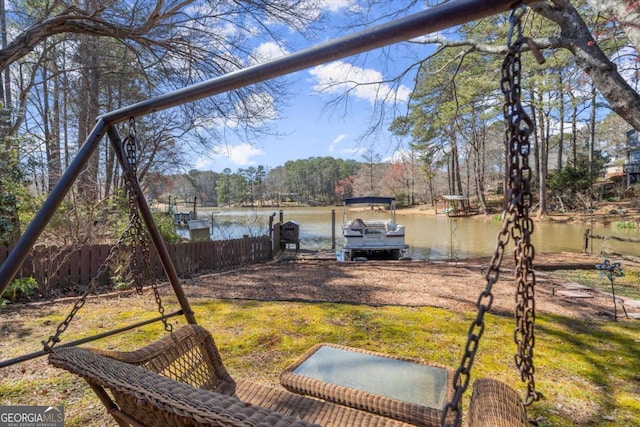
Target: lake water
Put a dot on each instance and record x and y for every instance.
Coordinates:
(434, 237)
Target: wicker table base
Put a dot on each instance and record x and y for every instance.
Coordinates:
(393, 387)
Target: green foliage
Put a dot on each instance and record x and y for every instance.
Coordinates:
(317, 180)
(20, 288)
(121, 277)
(167, 227)
(625, 224)
(574, 182)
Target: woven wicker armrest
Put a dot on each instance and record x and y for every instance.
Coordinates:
(188, 355)
(147, 398)
(495, 404)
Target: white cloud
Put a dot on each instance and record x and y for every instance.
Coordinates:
(336, 141)
(266, 52)
(240, 155)
(335, 5)
(364, 83)
(400, 155)
(203, 163)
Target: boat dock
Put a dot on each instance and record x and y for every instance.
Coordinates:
(301, 254)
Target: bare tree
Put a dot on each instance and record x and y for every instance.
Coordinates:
(370, 175)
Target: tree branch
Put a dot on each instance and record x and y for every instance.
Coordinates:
(77, 21)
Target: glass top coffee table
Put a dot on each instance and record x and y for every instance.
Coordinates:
(394, 387)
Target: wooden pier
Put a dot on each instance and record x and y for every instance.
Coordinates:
(301, 254)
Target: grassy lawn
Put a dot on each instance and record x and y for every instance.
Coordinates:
(589, 372)
(625, 286)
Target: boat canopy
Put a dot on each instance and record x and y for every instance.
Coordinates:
(369, 199)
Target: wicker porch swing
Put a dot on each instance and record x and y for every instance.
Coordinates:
(181, 380)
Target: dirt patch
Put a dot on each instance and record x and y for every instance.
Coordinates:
(450, 285)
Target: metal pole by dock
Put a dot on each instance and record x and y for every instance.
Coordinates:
(333, 229)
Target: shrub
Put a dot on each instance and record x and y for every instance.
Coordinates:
(167, 227)
(19, 288)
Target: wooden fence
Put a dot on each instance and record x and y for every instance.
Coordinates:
(74, 267)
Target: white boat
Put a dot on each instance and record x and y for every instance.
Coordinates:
(370, 230)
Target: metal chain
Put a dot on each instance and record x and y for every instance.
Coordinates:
(139, 237)
(517, 134)
(516, 225)
(54, 339)
(134, 233)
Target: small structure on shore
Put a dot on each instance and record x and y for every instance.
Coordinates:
(456, 205)
(199, 230)
(290, 234)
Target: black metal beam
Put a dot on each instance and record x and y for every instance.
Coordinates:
(428, 21)
(91, 338)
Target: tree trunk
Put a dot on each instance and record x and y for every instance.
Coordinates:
(89, 109)
(543, 158)
(479, 169)
(561, 113)
(574, 130)
(592, 142)
(456, 178)
(535, 134)
(45, 124)
(51, 119)
(5, 88)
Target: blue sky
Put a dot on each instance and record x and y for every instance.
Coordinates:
(308, 126)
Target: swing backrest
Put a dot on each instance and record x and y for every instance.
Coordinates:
(188, 355)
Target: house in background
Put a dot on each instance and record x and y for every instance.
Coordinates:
(632, 166)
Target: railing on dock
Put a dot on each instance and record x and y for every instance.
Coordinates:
(589, 235)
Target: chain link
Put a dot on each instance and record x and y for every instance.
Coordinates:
(517, 135)
(138, 235)
(517, 226)
(54, 339)
(139, 258)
